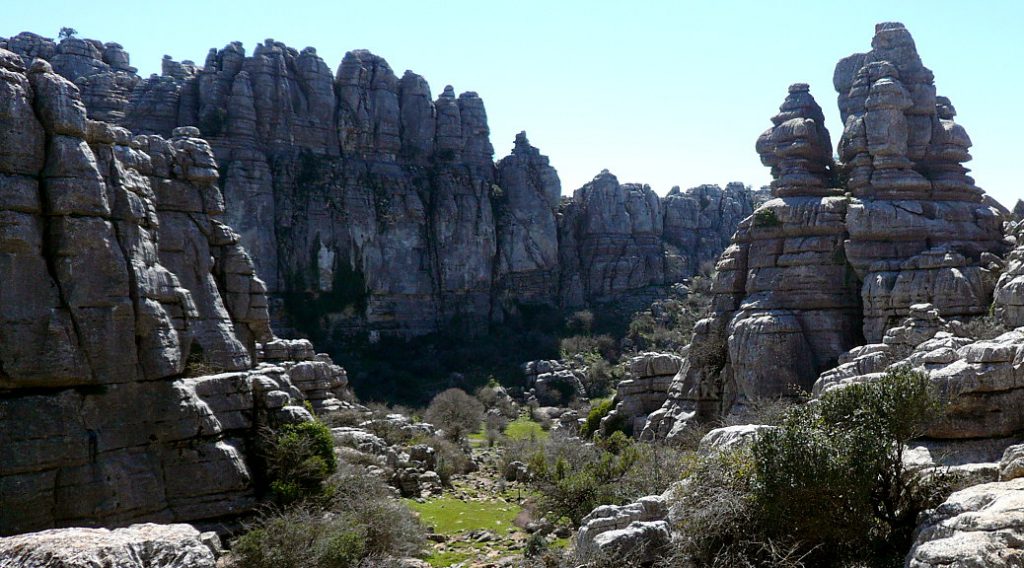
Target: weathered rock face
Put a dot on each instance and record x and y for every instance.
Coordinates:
(1009, 293)
(820, 268)
(527, 216)
(610, 241)
(699, 223)
(137, 546)
(369, 206)
(645, 388)
(131, 322)
(636, 532)
(919, 227)
(978, 526)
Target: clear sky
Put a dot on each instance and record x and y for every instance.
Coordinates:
(660, 92)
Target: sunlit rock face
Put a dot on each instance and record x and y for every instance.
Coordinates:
(370, 205)
(845, 250)
(131, 322)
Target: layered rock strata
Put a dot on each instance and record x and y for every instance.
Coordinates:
(843, 251)
(370, 206)
(644, 390)
(977, 526)
(610, 241)
(131, 323)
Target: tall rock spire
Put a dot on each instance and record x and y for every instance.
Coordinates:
(798, 147)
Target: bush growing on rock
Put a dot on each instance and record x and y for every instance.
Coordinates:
(457, 413)
(831, 477)
(592, 425)
(299, 458)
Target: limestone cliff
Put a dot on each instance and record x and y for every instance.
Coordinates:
(131, 322)
(369, 206)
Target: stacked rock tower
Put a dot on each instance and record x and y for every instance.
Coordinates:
(843, 250)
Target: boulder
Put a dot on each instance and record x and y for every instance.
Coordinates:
(137, 546)
(978, 526)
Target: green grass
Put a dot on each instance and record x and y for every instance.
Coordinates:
(449, 515)
(523, 428)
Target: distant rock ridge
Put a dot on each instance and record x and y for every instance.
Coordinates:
(369, 205)
(844, 252)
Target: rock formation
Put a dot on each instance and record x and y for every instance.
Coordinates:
(527, 217)
(131, 321)
(610, 241)
(644, 390)
(827, 266)
(977, 526)
(369, 206)
(699, 223)
(138, 546)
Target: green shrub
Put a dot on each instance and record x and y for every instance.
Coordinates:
(593, 422)
(600, 378)
(656, 468)
(766, 218)
(355, 522)
(494, 425)
(716, 514)
(573, 479)
(300, 538)
(298, 458)
(831, 476)
(450, 458)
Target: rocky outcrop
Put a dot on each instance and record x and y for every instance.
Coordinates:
(635, 533)
(131, 322)
(826, 266)
(371, 207)
(699, 223)
(610, 241)
(977, 526)
(527, 217)
(644, 390)
(137, 546)
(552, 383)
(1009, 294)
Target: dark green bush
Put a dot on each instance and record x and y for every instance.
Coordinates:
(355, 522)
(298, 458)
(766, 218)
(573, 479)
(831, 477)
(300, 538)
(593, 421)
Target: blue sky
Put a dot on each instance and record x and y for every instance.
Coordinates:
(665, 93)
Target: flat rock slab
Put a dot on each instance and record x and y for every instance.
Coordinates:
(138, 546)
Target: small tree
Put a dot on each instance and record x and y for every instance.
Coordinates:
(457, 413)
(67, 33)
